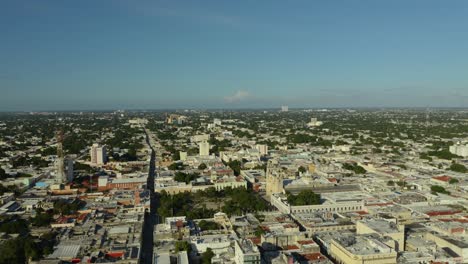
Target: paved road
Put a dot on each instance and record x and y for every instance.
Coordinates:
(146, 254)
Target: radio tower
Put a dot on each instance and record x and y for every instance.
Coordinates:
(60, 164)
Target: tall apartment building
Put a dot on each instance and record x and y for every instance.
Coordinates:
(69, 167)
(98, 154)
(263, 149)
(284, 108)
(459, 149)
(204, 148)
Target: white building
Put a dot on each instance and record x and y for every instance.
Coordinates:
(459, 149)
(246, 252)
(183, 155)
(314, 122)
(204, 148)
(217, 122)
(218, 243)
(98, 154)
(263, 149)
(284, 108)
(200, 138)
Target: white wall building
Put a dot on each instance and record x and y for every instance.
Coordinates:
(459, 149)
(98, 154)
(263, 149)
(204, 148)
(246, 252)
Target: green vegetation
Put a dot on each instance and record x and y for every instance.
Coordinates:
(186, 177)
(312, 140)
(12, 188)
(458, 168)
(14, 225)
(67, 207)
(42, 218)
(83, 167)
(176, 166)
(306, 197)
(425, 156)
(20, 249)
(202, 166)
(236, 202)
(354, 167)
(242, 201)
(402, 183)
(438, 189)
(259, 231)
(442, 154)
(208, 225)
(218, 145)
(453, 181)
(182, 204)
(182, 246)
(235, 165)
(207, 256)
(260, 167)
(301, 169)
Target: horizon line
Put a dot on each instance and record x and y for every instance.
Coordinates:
(232, 108)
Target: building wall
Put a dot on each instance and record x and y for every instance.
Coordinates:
(343, 256)
(241, 258)
(234, 184)
(338, 207)
(204, 148)
(463, 252)
(399, 237)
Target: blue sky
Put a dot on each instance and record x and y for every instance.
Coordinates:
(109, 54)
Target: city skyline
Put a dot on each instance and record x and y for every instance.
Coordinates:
(103, 55)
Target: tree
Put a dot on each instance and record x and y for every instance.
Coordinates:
(458, 168)
(176, 155)
(207, 256)
(354, 167)
(235, 165)
(305, 197)
(259, 231)
(41, 218)
(443, 154)
(391, 183)
(438, 189)
(3, 174)
(183, 246)
(185, 177)
(425, 156)
(12, 251)
(301, 169)
(14, 225)
(453, 181)
(202, 166)
(176, 166)
(208, 225)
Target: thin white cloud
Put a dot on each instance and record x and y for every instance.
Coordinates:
(238, 96)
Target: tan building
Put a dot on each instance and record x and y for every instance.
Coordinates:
(383, 228)
(98, 154)
(274, 178)
(366, 249)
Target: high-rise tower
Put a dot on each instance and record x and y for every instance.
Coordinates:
(60, 176)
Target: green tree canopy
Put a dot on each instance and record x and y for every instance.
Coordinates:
(305, 197)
